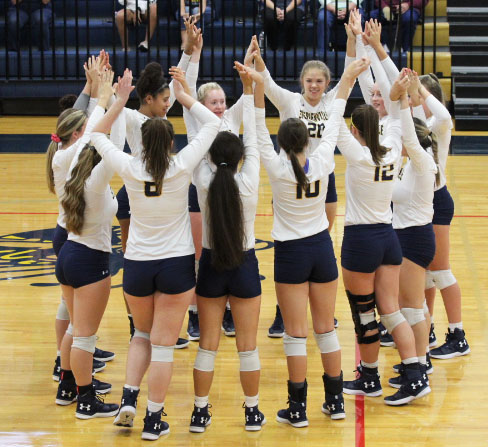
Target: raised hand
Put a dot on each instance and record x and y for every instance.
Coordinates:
(251, 49)
(354, 69)
(355, 22)
(400, 86)
(124, 85)
(248, 74)
(373, 31)
(179, 75)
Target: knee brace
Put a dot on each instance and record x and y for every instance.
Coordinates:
(62, 313)
(161, 353)
(364, 320)
(429, 280)
(140, 334)
(85, 343)
(426, 308)
(391, 321)
(295, 346)
(443, 278)
(249, 360)
(413, 315)
(69, 331)
(328, 342)
(205, 360)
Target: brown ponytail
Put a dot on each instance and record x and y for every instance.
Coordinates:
(428, 139)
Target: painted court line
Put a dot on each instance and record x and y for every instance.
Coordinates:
(359, 406)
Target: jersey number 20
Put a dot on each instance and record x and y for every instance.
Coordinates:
(315, 129)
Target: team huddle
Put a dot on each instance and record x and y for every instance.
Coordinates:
(187, 224)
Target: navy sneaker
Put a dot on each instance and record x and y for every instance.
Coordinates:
(91, 405)
(154, 427)
(101, 387)
(182, 343)
(415, 385)
(456, 345)
(228, 324)
(57, 369)
(429, 369)
(432, 337)
(103, 356)
(277, 329)
(386, 338)
(66, 394)
(254, 418)
(367, 383)
(334, 400)
(336, 323)
(128, 404)
(98, 366)
(296, 413)
(201, 418)
(193, 329)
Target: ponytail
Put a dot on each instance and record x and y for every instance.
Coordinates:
(428, 139)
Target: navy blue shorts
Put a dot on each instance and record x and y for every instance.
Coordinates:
(123, 211)
(241, 282)
(170, 276)
(79, 265)
(59, 238)
(310, 259)
(443, 207)
(418, 244)
(331, 196)
(366, 247)
(193, 206)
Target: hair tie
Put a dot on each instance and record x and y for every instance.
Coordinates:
(55, 138)
(223, 164)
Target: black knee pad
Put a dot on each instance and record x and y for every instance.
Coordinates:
(358, 306)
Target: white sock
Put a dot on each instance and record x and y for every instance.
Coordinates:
(193, 308)
(58, 353)
(131, 387)
(251, 401)
(453, 326)
(154, 407)
(201, 401)
(432, 319)
(370, 365)
(410, 360)
(423, 360)
(227, 306)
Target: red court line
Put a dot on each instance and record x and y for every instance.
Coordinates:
(359, 401)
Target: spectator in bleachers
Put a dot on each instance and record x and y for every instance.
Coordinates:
(133, 17)
(334, 17)
(201, 13)
(40, 22)
(282, 14)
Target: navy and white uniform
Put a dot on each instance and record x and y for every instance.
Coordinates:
(413, 195)
(303, 248)
(160, 254)
(369, 239)
(243, 281)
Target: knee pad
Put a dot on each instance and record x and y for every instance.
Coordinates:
(426, 308)
(391, 321)
(205, 360)
(85, 343)
(413, 315)
(69, 331)
(62, 313)
(443, 278)
(294, 346)
(364, 320)
(429, 280)
(249, 360)
(140, 334)
(161, 353)
(328, 342)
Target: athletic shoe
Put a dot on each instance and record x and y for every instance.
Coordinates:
(57, 369)
(66, 394)
(128, 405)
(103, 356)
(336, 323)
(432, 337)
(254, 418)
(98, 366)
(277, 329)
(101, 387)
(415, 385)
(182, 343)
(90, 405)
(296, 413)
(429, 369)
(143, 46)
(386, 338)
(367, 383)
(154, 427)
(455, 346)
(228, 324)
(200, 419)
(334, 400)
(193, 330)
(397, 382)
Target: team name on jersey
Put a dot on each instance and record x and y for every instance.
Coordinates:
(314, 116)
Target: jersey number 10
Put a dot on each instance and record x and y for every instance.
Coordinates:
(308, 192)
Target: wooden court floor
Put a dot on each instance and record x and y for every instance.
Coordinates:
(453, 414)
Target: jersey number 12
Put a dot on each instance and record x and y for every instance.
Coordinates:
(384, 173)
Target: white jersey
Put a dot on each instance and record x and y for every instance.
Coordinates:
(369, 187)
(413, 192)
(247, 179)
(297, 213)
(62, 161)
(160, 224)
(439, 123)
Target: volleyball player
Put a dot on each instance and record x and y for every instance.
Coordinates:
(159, 262)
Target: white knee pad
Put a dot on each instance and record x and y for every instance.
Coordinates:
(205, 360)
(161, 353)
(294, 346)
(412, 315)
(426, 308)
(443, 278)
(140, 334)
(249, 360)
(391, 321)
(367, 318)
(69, 331)
(85, 343)
(328, 342)
(429, 280)
(62, 313)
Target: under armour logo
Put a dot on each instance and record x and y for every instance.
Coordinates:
(202, 420)
(463, 343)
(157, 426)
(366, 385)
(85, 407)
(123, 402)
(331, 407)
(64, 393)
(415, 385)
(295, 415)
(193, 418)
(104, 272)
(257, 418)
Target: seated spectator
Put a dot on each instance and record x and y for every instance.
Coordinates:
(133, 17)
(201, 13)
(400, 13)
(282, 15)
(40, 22)
(325, 28)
